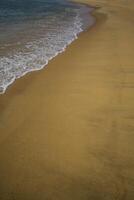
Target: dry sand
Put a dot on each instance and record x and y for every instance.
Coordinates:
(67, 132)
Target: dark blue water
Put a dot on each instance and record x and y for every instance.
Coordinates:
(32, 32)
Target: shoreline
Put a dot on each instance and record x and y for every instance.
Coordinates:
(29, 74)
(83, 27)
(66, 132)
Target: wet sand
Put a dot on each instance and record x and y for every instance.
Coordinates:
(67, 132)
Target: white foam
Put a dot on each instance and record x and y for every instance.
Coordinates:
(38, 53)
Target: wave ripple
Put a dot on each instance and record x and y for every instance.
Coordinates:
(33, 36)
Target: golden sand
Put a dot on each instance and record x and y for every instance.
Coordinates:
(67, 132)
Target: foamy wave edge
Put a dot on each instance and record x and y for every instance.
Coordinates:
(81, 27)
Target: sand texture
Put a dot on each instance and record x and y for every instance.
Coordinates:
(67, 132)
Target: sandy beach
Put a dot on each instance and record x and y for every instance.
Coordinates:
(67, 132)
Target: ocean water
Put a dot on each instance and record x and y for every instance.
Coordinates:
(32, 32)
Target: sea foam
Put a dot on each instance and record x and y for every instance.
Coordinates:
(50, 35)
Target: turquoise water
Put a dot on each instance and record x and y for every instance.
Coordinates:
(32, 32)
